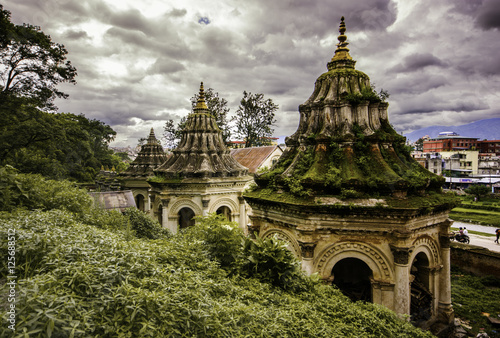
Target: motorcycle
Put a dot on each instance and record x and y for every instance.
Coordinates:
(459, 238)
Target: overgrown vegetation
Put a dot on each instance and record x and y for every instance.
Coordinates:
(474, 298)
(84, 275)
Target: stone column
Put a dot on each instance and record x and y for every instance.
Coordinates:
(165, 211)
(307, 249)
(402, 276)
(204, 203)
(445, 309)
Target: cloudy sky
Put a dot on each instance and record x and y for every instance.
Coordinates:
(140, 62)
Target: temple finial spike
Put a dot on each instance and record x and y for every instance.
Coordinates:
(201, 104)
(341, 59)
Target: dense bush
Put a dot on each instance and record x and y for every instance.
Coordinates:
(143, 225)
(32, 191)
(78, 280)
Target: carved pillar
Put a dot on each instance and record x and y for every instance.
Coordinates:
(402, 279)
(445, 309)
(165, 211)
(205, 203)
(307, 249)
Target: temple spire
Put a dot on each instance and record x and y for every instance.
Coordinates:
(341, 59)
(152, 137)
(200, 104)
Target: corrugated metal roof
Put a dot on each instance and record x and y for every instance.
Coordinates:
(114, 199)
(252, 157)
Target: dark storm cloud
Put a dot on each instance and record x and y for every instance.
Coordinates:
(416, 62)
(489, 15)
(416, 84)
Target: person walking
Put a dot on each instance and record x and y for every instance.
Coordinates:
(497, 232)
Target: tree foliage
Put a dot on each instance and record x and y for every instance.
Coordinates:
(54, 145)
(172, 134)
(254, 119)
(32, 64)
(478, 190)
(32, 138)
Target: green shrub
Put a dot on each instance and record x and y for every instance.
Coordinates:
(143, 225)
(32, 191)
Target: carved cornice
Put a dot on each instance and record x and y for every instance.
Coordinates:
(401, 254)
(307, 249)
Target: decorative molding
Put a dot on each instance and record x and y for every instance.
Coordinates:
(401, 254)
(370, 255)
(225, 201)
(178, 205)
(427, 242)
(205, 202)
(286, 237)
(307, 249)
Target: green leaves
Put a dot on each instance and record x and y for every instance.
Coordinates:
(254, 119)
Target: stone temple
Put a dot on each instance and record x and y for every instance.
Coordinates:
(353, 204)
(200, 177)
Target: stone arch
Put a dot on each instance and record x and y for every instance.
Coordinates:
(428, 246)
(293, 246)
(373, 257)
(224, 202)
(178, 205)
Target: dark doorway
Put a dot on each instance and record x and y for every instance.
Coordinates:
(139, 202)
(160, 215)
(352, 277)
(224, 211)
(186, 217)
(421, 297)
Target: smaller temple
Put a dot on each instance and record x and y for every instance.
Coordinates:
(135, 177)
(200, 177)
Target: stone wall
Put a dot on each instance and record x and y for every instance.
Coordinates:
(476, 260)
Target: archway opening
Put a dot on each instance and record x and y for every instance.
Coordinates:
(139, 202)
(160, 215)
(352, 276)
(186, 217)
(224, 211)
(421, 296)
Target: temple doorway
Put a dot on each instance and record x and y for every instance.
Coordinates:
(186, 217)
(421, 296)
(139, 202)
(224, 211)
(352, 276)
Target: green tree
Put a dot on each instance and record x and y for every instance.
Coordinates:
(478, 190)
(31, 64)
(254, 119)
(172, 134)
(217, 106)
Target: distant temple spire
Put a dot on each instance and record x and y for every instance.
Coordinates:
(152, 138)
(341, 59)
(200, 104)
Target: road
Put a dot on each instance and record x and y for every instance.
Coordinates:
(485, 242)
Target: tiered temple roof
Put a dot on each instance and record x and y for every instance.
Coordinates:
(344, 141)
(201, 152)
(149, 158)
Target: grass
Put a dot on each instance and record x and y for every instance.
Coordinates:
(472, 296)
(476, 216)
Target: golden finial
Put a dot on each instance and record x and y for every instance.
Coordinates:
(341, 59)
(200, 104)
